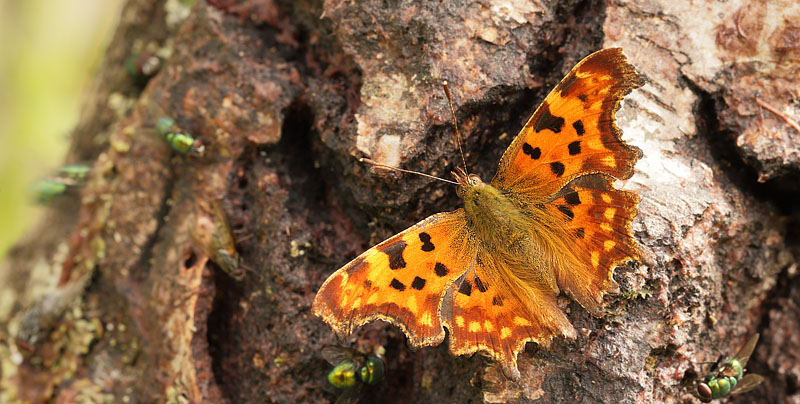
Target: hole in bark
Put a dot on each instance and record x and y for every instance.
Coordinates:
(190, 260)
(243, 181)
(303, 175)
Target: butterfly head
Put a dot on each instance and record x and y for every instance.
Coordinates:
(477, 195)
(466, 182)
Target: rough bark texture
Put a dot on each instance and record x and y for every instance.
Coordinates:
(112, 298)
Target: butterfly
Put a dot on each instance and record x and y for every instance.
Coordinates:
(549, 221)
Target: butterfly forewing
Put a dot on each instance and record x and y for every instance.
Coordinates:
(574, 132)
(401, 280)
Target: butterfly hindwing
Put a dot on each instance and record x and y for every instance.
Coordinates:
(597, 222)
(401, 280)
(488, 314)
(573, 132)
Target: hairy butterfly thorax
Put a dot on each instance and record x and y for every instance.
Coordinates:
(490, 213)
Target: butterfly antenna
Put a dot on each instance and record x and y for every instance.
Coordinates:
(455, 124)
(389, 168)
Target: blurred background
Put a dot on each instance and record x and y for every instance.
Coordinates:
(49, 50)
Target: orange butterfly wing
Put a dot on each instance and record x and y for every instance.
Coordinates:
(598, 219)
(574, 132)
(572, 138)
(401, 280)
(485, 316)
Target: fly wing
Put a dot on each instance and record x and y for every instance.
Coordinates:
(748, 382)
(352, 396)
(336, 354)
(743, 355)
(745, 351)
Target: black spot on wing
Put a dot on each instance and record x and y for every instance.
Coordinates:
(583, 98)
(397, 284)
(418, 283)
(427, 246)
(572, 198)
(465, 288)
(532, 152)
(480, 285)
(497, 301)
(567, 211)
(574, 148)
(580, 232)
(367, 283)
(395, 252)
(546, 120)
(578, 125)
(440, 269)
(557, 168)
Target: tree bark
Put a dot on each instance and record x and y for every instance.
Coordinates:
(120, 294)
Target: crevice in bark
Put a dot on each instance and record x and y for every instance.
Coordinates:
(190, 260)
(222, 328)
(297, 154)
(778, 296)
(143, 264)
(722, 147)
(291, 162)
(220, 334)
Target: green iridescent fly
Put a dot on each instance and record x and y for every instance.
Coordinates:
(353, 371)
(48, 189)
(142, 66)
(69, 177)
(729, 378)
(180, 141)
(75, 172)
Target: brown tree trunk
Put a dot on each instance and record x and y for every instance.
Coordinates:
(120, 295)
